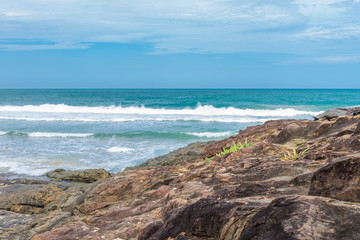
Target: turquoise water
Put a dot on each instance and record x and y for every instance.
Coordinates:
(41, 130)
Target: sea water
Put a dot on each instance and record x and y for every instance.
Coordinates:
(41, 130)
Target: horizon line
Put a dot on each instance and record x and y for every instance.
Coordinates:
(179, 88)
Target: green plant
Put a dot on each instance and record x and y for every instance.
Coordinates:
(293, 155)
(235, 148)
(207, 160)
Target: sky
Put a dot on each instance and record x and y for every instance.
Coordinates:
(180, 44)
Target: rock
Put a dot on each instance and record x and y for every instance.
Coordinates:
(246, 189)
(189, 153)
(340, 179)
(304, 217)
(12, 223)
(36, 196)
(28, 198)
(86, 176)
(303, 179)
(10, 220)
(202, 219)
(337, 112)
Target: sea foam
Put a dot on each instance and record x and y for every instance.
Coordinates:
(200, 110)
(119, 149)
(211, 134)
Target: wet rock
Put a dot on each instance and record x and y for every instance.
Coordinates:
(340, 179)
(86, 176)
(304, 217)
(337, 112)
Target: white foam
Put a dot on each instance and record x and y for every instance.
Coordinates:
(119, 149)
(149, 118)
(2, 133)
(206, 110)
(63, 135)
(20, 167)
(211, 134)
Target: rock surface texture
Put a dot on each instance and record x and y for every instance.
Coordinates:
(338, 112)
(86, 176)
(300, 180)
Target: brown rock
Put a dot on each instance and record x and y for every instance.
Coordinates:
(303, 179)
(29, 198)
(304, 217)
(86, 176)
(340, 179)
(202, 219)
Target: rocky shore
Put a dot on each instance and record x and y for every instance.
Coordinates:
(299, 179)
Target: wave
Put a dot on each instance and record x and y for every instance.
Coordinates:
(206, 110)
(211, 134)
(185, 135)
(203, 119)
(119, 149)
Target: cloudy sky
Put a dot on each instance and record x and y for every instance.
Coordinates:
(179, 44)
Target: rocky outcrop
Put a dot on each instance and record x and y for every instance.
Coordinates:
(86, 176)
(30, 206)
(259, 192)
(340, 179)
(189, 154)
(203, 219)
(303, 217)
(288, 217)
(338, 112)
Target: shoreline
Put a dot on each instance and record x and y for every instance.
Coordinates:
(192, 193)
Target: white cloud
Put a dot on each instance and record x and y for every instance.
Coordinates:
(331, 32)
(181, 25)
(338, 59)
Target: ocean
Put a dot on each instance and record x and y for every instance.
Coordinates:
(41, 130)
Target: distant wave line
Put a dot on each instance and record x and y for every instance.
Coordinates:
(193, 118)
(128, 135)
(199, 110)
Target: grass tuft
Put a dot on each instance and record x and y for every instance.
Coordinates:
(235, 148)
(294, 155)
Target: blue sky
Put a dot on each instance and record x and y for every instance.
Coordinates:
(180, 44)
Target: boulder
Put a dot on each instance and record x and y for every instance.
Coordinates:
(202, 219)
(29, 198)
(340, 179)
(86, 176)
(337, 112)
(304, 217)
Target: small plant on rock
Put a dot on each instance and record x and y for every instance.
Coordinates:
(293, 155)
(235, 148)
